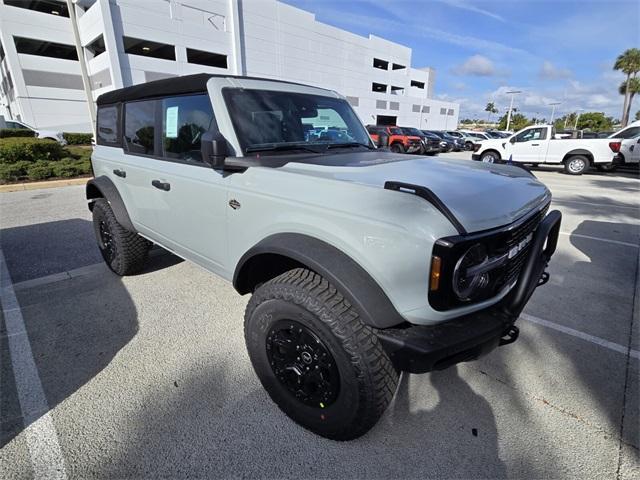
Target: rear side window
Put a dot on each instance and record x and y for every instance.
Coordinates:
(139, 126)
(107, 127)
(184, 120)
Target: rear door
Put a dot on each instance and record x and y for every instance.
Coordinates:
(180, 199)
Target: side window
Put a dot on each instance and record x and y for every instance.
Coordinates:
(184, 120)
(531, 134)
(107, 125)
(14, 125)
(628, 133)
(139, 126)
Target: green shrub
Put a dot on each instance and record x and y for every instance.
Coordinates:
(67, 168)
(13, 150)
(78, 138)
(78, 152)
(40, 170)
(11, 172)
(16, 132)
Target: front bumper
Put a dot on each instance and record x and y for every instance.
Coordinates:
(475, 156)
(420, 349)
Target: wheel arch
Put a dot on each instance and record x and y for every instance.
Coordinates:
(489, 150)
(103, 187)
(578, 152)
(281, 252)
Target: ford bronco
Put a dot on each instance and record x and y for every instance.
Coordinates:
(361, 263)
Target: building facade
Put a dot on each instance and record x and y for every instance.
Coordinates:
(126, 42)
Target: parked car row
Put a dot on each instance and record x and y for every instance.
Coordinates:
(421, 142)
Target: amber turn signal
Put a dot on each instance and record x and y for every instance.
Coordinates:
(436, 263)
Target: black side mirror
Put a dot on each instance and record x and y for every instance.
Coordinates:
(512, 140)
(214, 148)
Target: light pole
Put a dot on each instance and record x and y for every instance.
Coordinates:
(512, 93)
(553, 110)
(580, 110)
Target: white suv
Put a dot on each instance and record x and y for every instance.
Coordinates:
(45, 134)
(361, 262)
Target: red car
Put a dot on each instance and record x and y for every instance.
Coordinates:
(398, 142)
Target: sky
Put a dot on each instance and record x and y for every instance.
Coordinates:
(551, 50)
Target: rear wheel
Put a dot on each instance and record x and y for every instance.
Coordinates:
(317, 360)
(124, 252)
(576, 165)
(468, 146)
(397, 148)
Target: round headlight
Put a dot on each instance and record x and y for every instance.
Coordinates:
(466, 285)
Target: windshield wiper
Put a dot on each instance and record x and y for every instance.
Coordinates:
(349, 144)
(284, 146)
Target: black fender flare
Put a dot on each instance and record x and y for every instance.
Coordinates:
(358, 287)
(103, 187)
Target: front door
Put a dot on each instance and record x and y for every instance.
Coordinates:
(528, 146)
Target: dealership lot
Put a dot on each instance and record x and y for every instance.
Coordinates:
(147, 376)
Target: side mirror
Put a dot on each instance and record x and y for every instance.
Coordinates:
(512, 140)
(214, 148)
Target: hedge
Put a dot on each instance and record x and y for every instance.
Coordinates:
(77, 138)
(13, 150)
(43, 169)
(16, 132)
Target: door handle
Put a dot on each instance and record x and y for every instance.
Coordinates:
(120, 173)
(535, 144)
(161, 185)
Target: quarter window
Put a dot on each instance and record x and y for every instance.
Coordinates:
(184, 120)
(139, 126)
(107, 128)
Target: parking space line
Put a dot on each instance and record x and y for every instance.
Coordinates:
(600, 239)
(616, 347)
(40, 432)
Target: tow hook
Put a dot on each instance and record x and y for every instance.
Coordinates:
(509, 336)
(544, 278)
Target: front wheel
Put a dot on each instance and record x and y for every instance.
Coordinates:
(397, 148)
(317, 360)
(490, 157)
(576, 165)
(468, 146)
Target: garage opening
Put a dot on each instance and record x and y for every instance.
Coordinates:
(386, 120)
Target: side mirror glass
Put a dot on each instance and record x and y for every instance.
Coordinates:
(214, 148)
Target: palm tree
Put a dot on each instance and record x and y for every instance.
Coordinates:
(634, 87)
(491, 108)
(629, 64)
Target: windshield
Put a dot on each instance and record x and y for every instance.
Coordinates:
(266, 120)
(412, 131)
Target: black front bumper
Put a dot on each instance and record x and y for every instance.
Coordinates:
(419, 349)
(475, 156)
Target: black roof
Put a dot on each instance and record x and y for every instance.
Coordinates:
(196, 83)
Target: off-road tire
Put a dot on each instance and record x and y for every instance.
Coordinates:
(571, 165)
(367, 378)
(397, 148)
(130, 250)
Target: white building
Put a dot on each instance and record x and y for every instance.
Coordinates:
(126, 42)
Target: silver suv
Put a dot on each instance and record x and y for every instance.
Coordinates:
(361, 262)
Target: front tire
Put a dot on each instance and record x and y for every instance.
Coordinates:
(397, 148)
(124, 252)
(576, 165)
(318, 361)
(490, 157)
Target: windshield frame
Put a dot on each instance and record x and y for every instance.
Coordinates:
(271, 148)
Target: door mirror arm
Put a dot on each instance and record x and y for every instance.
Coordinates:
(215, 149)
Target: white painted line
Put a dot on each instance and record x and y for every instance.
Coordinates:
(616, 347)
(40, 433)
(599, 239)
(560, 200)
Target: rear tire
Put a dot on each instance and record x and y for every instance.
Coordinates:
(318, 361)
(397, 148)
(124, 252)
(576, 165)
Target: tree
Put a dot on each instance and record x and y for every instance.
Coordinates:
(518, 122)
(491, 108)
(634, 87)
(595, 121)
(629, 64)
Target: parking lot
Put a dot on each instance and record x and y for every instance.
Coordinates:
(147, 376)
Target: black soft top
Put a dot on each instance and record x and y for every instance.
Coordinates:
(186, 84)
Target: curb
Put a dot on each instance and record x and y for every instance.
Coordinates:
(18, 187)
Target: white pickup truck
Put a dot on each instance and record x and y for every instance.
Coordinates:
(537, 144)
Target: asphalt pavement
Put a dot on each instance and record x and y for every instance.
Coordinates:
(147, 376)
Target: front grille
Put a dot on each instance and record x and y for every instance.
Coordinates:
(511, 269)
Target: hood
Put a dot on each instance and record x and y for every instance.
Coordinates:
(480, 195)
